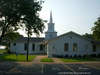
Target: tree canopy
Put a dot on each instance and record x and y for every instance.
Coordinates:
(89, 36)
(12, 36)
(18, 14)
(96, 29)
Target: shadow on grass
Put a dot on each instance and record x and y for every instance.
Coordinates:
(7, 57)
(13, 57)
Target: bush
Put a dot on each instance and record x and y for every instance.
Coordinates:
(93, 55)
(79, 56)
(58, 56)
(84, 55)
(98, 55)
(54, 55)
(75, 55)
(70, 56)
(66, 55)
(61, 56)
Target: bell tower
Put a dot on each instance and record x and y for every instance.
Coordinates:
(50, 33)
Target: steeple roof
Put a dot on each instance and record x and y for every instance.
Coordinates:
(51, 20)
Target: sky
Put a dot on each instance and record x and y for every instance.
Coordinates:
(71, 15)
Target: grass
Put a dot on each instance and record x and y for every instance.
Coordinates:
(3, 51)
(46, 60)
(97, 57)
(77, 59)
(13, 57)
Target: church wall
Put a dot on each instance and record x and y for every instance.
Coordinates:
(56, 47)
(19, 48)
(97, 49)
(50, 35)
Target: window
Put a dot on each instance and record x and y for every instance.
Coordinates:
(53, 47)
(66, 47)
(75, 47)
(14, 44)
(70, 37)
(25, 46)
(33, 47)
(94, 48)
(86, 46)
(41, 47)
(51, 27)
(51, 36)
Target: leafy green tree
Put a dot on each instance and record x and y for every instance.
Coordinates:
(10, 17)
(12, 36)
(96, 29)
(16, 14)
(33, 23)
(89, 36)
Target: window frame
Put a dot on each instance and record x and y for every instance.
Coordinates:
(25, 46)
(75, 47)
(33, 47)
(94, 48)
(14, 44)
(41, 47)
(66, 47)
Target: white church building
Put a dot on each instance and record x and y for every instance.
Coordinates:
(68, 44)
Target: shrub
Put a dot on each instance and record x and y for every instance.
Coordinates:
(70, 56)
(79, 56)
(93, 55)
(84, 55)
(58, 56)
(54, 55)
(66, 55)
(98, 55)
(75, 55)
(61, 56)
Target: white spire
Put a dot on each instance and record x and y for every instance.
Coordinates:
(51, 21)
(50, 33)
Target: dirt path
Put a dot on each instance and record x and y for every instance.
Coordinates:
(57, 60)
(38, 58)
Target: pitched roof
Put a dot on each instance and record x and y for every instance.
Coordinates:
(97, 42)
(31, 39)
(71, 32)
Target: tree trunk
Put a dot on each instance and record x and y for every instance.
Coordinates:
(27, 46)
(1, 37)
(0, 40)
(2, 34)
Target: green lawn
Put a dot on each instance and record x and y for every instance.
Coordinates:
(3, 51)
(46, 60)
(13, 57)
(77, 59)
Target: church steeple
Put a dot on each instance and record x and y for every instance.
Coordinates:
(51, 20)
(50, 33)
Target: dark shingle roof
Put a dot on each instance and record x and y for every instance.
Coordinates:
(97, 42)
(31, 39)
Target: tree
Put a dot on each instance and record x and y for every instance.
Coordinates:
(16, 14)
(89, 36)
(96, 29)
(10, 17)
(32, 21)
(12, 36)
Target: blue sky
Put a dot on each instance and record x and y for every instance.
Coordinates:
(71, 15)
